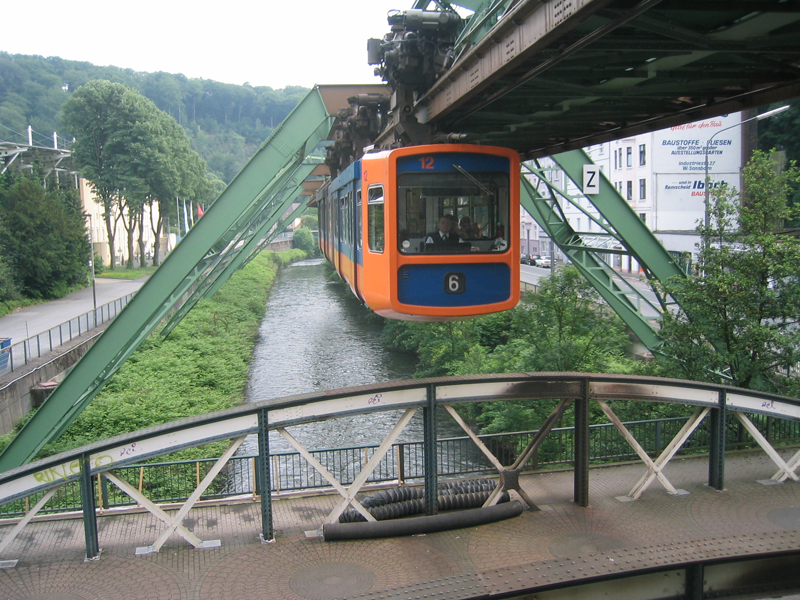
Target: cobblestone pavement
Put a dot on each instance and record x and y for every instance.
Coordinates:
(657, 528)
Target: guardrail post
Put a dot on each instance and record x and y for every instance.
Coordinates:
(89, 514)
(693, 581)
(263, 476)
(659, 431)
(401, 463)
(716, 451)
(581, 440)
(429, 450)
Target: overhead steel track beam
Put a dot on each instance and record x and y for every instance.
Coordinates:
(546, 77)
(205, 254)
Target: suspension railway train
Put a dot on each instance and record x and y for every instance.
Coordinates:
(427, 233)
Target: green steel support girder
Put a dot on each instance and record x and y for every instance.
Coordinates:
(589, 265)
(198, 254)
(636, 237)
(282, 224)
(619, 217)
(255, 238)
(243, 255)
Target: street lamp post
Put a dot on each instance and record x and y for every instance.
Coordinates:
(528, 232)
(91, 265)
(707, 207)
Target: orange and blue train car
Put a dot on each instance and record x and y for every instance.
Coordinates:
(427, 233)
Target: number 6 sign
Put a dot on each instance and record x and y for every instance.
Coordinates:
(455, 283)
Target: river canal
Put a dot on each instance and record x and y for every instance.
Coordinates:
(315, 336)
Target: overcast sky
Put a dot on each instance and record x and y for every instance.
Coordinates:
(263, 42)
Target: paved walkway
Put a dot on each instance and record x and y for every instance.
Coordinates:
(560, 542)
(33, 320)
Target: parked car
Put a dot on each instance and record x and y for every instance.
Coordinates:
(543, 261)
(525, 259)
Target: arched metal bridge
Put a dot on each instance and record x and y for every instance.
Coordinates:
(715, 408)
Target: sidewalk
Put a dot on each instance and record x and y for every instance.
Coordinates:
(561, 542)
(37, 319)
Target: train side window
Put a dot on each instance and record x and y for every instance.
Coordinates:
(375, 219)
(358, 219)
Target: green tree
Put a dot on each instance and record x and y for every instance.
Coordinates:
(304, 240)
(310, 219)
(738, 321)
(9, 288)
(48, 252)
(135, 155)
(99, 116)
(562, 327)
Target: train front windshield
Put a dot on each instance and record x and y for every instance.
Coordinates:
(458, 203)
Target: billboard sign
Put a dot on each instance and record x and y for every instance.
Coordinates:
(680, 199)
(682, 149)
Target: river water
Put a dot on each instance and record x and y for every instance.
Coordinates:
(314, 337)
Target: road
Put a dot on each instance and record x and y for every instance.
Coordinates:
(531, 275)
(37, 319)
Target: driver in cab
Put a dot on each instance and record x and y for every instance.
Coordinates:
(446, 235)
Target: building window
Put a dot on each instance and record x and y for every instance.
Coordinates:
(629, 195)
(642, 189)
(643, 218)
(629, 156)
(615, 159)
(642, 155)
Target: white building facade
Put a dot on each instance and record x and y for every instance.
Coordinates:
(662, 177)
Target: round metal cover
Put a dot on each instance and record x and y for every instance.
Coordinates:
(788, 518)
(581, 544)
(328, 581)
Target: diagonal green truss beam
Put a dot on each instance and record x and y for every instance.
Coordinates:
(620, 223)
(248, 213)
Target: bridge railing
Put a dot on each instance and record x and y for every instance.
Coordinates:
(20, 354)
(172, 482)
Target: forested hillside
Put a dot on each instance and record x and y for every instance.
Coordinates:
(225, 123)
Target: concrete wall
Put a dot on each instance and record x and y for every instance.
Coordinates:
(15, 394)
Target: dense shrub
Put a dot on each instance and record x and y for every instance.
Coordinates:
(201, 367)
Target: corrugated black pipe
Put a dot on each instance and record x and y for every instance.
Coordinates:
(405, 501)
(417, 525)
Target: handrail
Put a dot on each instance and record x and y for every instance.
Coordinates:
(242, 420)
(170, 482)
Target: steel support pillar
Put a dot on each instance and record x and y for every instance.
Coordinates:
(581, 478)
(89, 514)
(716, 454)
(429, 444)
(263, 477)
(693, 582)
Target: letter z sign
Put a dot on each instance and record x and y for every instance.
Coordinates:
(591, 180)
